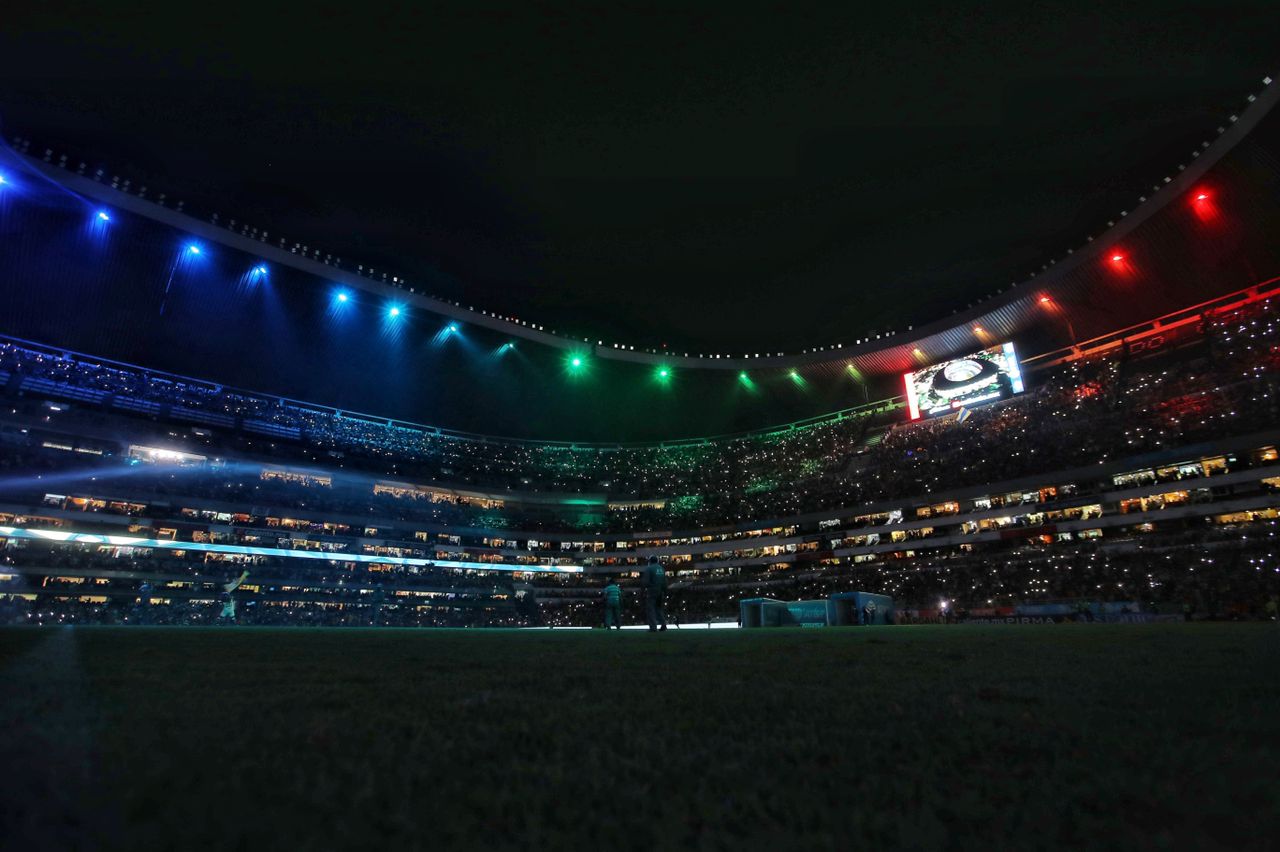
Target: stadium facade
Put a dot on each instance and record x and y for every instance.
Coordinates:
(157, 440)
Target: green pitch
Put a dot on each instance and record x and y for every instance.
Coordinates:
(1117, 736)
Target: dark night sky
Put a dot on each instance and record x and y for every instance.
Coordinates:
(764, 176)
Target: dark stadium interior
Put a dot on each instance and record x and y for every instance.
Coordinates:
(628, 176)
(568, 198)
(282, 333)
(361, 369)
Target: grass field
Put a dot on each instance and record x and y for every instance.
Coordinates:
(1152, 736)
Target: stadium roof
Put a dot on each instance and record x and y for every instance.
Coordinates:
(736, 182)
(380, 349)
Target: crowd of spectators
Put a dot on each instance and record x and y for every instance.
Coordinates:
(1199, 570)
(1204, 573)
(1083, 413)
(100, 584)
(207, 568)
(55, 610)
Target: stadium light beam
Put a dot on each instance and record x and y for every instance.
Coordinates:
(340, 299)
(1055, 308)
(98, 223)
(576, 364)
(394, 322)
(254, 276)
(180, 263)
(1120, 263)
(442, 336)
(340, 304)
(1203, 206)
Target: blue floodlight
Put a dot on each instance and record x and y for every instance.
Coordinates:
(3, 181)
(453, 326)
(342, 296)
(261, 270)
(103, 216)
(193, 249)
(394, 312)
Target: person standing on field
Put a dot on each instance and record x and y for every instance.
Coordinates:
(228, 615)
(654, 580)
(612, 605)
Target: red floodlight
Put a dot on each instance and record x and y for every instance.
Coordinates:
(1120, 264)
(1203, 205)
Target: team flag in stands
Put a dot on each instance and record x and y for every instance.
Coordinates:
(963, 415)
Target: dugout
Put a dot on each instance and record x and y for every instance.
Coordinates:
(768, 612)
(849, 608)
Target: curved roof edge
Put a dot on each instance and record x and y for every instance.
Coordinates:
(938, 339)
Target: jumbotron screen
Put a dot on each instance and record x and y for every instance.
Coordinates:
(972, 380)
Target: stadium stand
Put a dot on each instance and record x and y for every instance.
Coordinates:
(1080, 489)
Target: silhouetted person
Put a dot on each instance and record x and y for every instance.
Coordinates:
(228, 615)
(654, 580)
(142, 607)
(612, 605)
